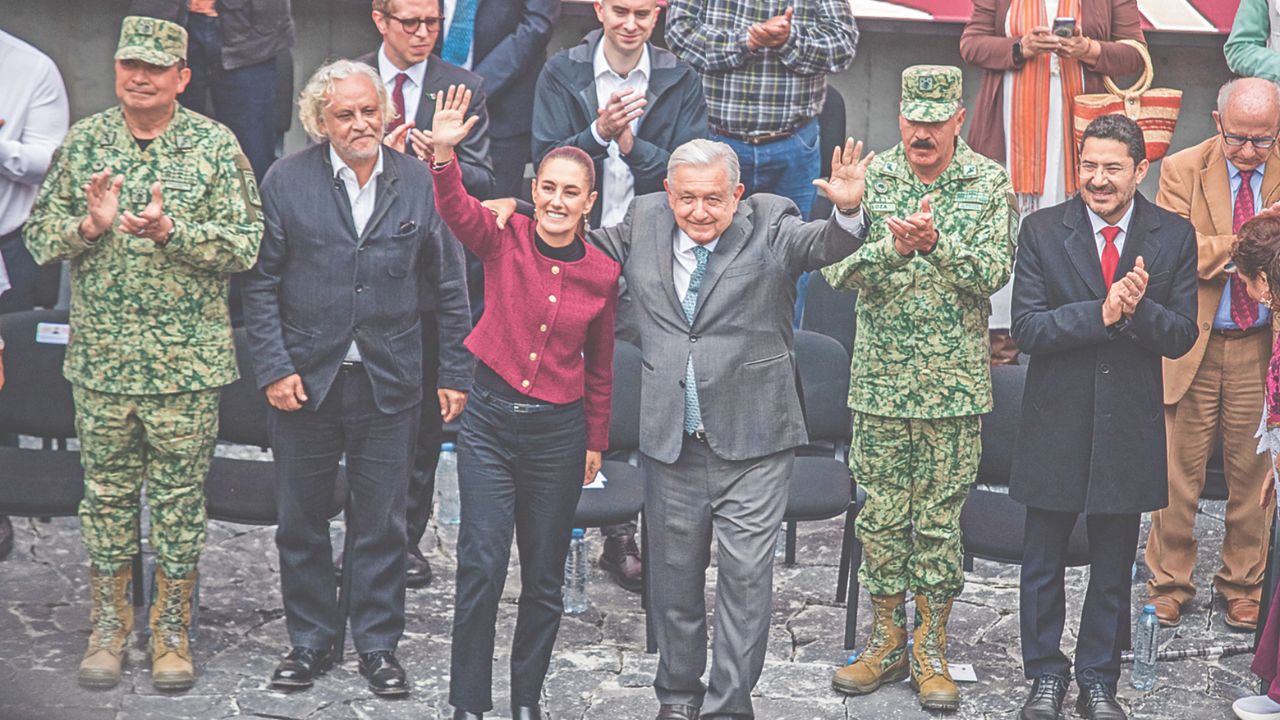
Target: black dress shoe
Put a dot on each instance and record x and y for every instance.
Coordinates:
(417, 571)
(621, 559)
(1097, 701)
(300, 667)
(678, 712)
(527, 712)
(6, 536)
(466, 715)
(384, 673)
(1045, 700)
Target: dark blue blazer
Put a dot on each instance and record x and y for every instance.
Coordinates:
(1092, 437)
(509, 48)
(317, 285)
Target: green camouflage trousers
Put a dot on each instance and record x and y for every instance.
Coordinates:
(164, 440)
(917, 473)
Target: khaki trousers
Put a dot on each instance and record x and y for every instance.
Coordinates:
(1226, 396)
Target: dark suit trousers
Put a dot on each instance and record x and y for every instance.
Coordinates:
(519, 469)
(1104, 623)
(509, 156)
(378, 447)
(422, 483)
(739, 503)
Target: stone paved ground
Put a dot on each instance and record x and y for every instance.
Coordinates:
(599, 670)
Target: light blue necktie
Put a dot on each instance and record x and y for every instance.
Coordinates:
(692, 410)
(457, 46)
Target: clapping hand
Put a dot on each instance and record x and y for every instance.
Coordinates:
(102, 194)
(848, 180)
(451, 124)
(1125, 294)
(615, 117)
(420, 140)
(916, 232)
(151, 223)
(772, 32)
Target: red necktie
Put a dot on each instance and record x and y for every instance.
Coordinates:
(1244, 311)
(397, 98)
(1110, 255)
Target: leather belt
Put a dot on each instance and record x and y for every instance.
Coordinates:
(697, 436)
(350, 365)
(755, 139)
(1233, 334)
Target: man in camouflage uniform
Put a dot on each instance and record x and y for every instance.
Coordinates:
(940, 243)
(154, 206)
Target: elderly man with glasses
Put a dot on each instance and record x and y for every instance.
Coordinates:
(1216, 389)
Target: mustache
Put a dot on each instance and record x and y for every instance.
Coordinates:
(923, 144)
(1104, 188)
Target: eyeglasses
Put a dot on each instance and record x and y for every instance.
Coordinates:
(411, 25)
(1262, 142)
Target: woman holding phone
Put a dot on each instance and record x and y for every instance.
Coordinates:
(1038, 56)
(538, 417)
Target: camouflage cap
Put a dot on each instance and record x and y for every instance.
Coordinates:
(151, 40)
(931, 93)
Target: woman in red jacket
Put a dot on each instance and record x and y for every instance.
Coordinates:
(1023, 116)
(539, 406)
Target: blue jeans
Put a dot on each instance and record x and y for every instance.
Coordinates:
(243, 99)
(785, 167)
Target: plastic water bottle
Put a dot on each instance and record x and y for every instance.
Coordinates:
(574, 591)
(780, 545)
(449, 508)
(1146, 643)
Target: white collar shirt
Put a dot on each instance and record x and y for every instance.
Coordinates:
(617, 184)
(1098, 223)
(362, 200)
(412, 87)
(684, 261)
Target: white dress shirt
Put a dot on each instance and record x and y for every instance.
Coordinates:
(1098, 223)
(33, 105)
(447, 7)
(617, 186)
(412, 87)
(362, 200)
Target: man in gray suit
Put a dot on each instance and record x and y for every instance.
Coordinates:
(332, 312)
(713, 283)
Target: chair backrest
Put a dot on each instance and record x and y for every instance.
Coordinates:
(36, 398)
(1000, 426)
(823, 368)
(830, 312)
(242, 412)
(831, 132)
(624, 423)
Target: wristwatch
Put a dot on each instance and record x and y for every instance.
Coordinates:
(173, 229)
(852, 212)
(1018, 57)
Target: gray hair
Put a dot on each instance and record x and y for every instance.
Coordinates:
(315, 96)
(701, 153)
(1247, 85)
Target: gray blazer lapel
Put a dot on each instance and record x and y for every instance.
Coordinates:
(431, 79)
(1083, 250)
(340, 195)
(731, 243)
(662, 229)
(384, 196)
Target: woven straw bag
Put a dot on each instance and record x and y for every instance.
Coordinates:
(1155, 110)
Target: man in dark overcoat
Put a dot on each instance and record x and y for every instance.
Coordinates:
(1106, 287)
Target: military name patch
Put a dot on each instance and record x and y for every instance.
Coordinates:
(882, 206)
(973, 196)
(973, 207)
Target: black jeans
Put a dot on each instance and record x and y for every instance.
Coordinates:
(22, 270)
(422, 482)
(379, 448)
(519, 467)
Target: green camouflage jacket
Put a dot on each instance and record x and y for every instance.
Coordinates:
(147, 319)
(921, 350)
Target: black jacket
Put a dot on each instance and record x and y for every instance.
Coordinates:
(317, 286)
(251, 31)
(1092, 437)
(565, 106)
(473, 153)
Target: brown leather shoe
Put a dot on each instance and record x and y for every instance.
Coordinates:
(621, 559)
(1169, 610)
(1242, 614)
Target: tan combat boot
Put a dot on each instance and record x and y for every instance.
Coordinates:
(112, 621)
(929, 675)
(885, 658)
(171, 667)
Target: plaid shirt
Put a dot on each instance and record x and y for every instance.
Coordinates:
(757, 92)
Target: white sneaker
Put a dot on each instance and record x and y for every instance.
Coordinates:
(1257, 707)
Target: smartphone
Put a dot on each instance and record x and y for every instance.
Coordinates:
(1064, 27)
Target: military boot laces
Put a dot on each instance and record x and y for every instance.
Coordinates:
(885, 658)
(111, 621)
(171, 667)
(929, 673)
